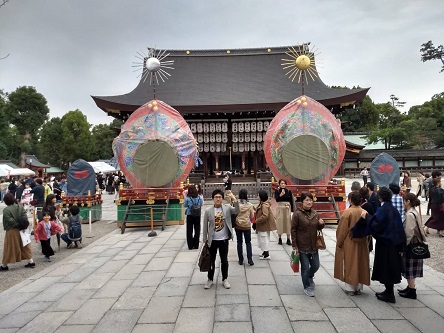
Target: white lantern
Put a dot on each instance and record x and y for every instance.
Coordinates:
(223, 147)
(241, 127)
(218, 127)
(241, 147)
(247, 146)
(218, 147)
(259, 137)
(235, 137)
(241, 137)
(206, 138)
(225, 137)
(253, 137)
(212, 127)
(206, 127)
(218, 137)
(200, 138)
(260, 126)
(247, 126)
(247, 137)
(206, 147)
(199, 128)
(253, 126)
(235, 147)
(252, 147)
(193, 127)
(224, 127)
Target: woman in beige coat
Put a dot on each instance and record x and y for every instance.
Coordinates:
(352, 256)
(265, 222)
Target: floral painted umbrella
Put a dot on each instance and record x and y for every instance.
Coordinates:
(304, 143)
(155, 147)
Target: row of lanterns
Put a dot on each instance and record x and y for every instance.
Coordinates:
(237, 147)
(222, 127)
(223, 137)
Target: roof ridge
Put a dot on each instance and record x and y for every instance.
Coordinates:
(234, 51)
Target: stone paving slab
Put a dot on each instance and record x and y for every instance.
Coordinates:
(133, 283)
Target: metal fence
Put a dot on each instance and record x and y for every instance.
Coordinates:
(252, 188)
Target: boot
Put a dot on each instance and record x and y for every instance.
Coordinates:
(410, 293)
(403, 290)
(388, 296)
(288, 241)
(280, 241)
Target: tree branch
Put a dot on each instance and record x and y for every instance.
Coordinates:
(3, 2)
(5, 56)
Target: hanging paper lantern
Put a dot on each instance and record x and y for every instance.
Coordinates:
(241, 127)
(247, 126)
(193, 127)
(199, 128)
(253, 126)
(218, 127)
(155, 135)
(224, 127)
(304, 143)
(234, 127)
(212, 127)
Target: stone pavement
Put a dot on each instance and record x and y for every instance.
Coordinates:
(133, 283)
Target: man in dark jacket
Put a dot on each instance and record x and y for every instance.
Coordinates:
(373, 199)
(12, 187)
(20, 189)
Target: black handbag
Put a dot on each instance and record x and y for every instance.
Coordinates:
(417, 249)
(205, 259)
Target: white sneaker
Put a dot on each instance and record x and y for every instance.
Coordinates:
(226, 284)
(309, 292)
(208, 284)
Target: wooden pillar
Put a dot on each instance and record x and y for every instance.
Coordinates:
(216, 162)
(205, 165)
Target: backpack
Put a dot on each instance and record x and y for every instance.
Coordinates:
(22, 220)
(196, 208)
(75, 229)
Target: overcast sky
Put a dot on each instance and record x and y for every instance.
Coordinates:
(70, 49)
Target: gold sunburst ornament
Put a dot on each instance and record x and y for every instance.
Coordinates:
(301, 60)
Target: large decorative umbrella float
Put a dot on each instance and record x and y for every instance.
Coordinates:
(304, 143)
(155, 147)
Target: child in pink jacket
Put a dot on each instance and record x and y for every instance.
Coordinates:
(45, 229)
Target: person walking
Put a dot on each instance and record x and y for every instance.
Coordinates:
(193, 205)
(386, 227)
(217, 231)
(39, 197)
(285, 201)
(265, 223)
(364, 174)
(413, 268)
(45, 229)
(407, 181)
(243, 227)
(304, 229)
(436, 221)
(420, 178)
(352, 264)
(13, 249)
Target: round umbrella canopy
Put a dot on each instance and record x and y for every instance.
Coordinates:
(155, 147)
(304, 143)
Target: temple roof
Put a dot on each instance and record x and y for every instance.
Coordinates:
(215, 81)
(34, 162)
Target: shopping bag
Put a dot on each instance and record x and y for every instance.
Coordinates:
(205, 259)
(294, 262)
(26, 237)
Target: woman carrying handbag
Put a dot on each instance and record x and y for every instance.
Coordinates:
(304, 231)
(412, 228)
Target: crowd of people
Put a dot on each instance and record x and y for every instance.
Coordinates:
(383, 215)
(388, 219)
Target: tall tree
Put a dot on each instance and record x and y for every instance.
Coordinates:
(102, 139)
(430, 52)
(388, 130)
(364, 117)
(27, 110)
(76, 138)
(51, 141)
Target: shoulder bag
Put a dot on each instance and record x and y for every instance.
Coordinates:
(417, 249)
(320, 242)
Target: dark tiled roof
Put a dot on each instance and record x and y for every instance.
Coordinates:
(34, 162)
(206, 79)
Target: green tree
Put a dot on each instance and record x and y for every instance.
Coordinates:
(75, 138)
(389, 130)
(102, 138)
(430, 52)
(27, 110)
(364, 117)
(429, 120)
(50, 142)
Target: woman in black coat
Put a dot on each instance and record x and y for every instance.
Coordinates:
(386, 227)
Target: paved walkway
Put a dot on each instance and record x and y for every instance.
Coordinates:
(133, 283)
